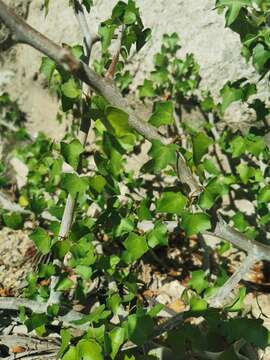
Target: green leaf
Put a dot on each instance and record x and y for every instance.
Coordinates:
(117, 338)
(87, 4)
(71, 152)
(129, 17)
(84, 271)
(147, 89)
(136, 246)
(229, 95)
(162, 155)
(14, 221)
(201, 143)
(236, 91)
(75, 184)
(171, 203)
(143, 211)
(42, 240)
(197, 304)
(71, 89)
(89, 350)
(255, 144)
(126, 226)
(238, 303)
(47, 67)
(264, 195)
(234, 7)
(260, 57)
(210, 167)
(197, 281)
(97, 183)
(257, 334)
(249, 173)
(114, 302)
(195, 223)
(119, 121)
(139, 328)
(65, 337)
(106, 33)
(238, 146)
(46, 6)
(71, 354)
(158, 236)
(239, 221)
(61, 248)
(35, 321)
(163, 114)
(64, 283)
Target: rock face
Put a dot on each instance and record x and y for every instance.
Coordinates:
(200, 28)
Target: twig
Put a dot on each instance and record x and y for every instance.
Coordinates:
(8, 205)
(88, 38)
(66, 315)
(112, 68)
(70, 205)
(223, 293)
(35, 354)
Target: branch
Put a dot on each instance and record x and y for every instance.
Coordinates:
(66, 315)
(112, 68)
(24, 33)
(88, 39)
(223, 293)
(10, 206)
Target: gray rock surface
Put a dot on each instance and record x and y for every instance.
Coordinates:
(200, 28)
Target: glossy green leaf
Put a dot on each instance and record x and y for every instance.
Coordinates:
(158, 236)
(71, 152)
(75, 184)
(260, 57)
(97, 183)
(71, 354)
(198, 281)
(47, 67)
(234, 7)
(119, 121)
(117, 338)
(136, 246)
(71, 89)
(162, 155)
(163, 114)
(139, 328)
(195, 223)
(147, 89)
(106, 33)
(87, 4)
(42, 240)
(171, 203)
(197, 304)
(89, 350)
(201, 143)
(264, 195)
(14, 220)
(126, 226)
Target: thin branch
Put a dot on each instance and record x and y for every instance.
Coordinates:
(66, 315)
(223, 293)
(8, 205)
(70, 205)
(112, 68)
(88, 38)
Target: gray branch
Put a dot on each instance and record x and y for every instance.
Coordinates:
(24, 33)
